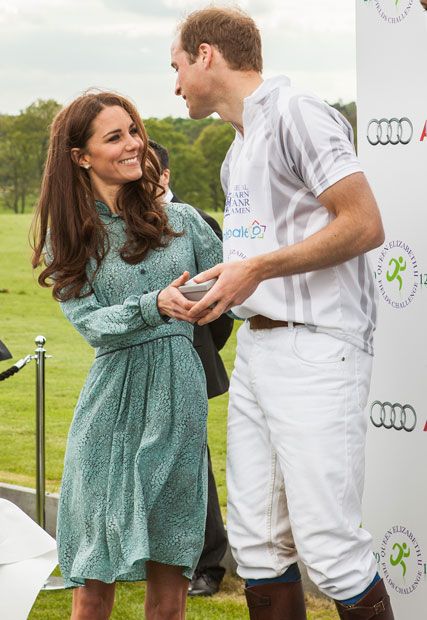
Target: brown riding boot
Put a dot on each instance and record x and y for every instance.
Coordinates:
(276, 601)
(375, 605)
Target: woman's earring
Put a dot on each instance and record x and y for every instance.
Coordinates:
(86, 166)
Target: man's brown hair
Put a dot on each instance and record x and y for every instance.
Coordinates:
(232, 31)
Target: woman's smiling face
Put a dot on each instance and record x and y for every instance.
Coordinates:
(113, 152)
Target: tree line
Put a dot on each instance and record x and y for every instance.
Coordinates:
(196, 150)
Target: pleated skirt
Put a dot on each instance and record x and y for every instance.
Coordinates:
(135, 471)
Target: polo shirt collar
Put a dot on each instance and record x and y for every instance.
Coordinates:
(265, 88)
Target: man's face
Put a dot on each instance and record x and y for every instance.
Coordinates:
(424, 4)
(192, 82)
(164, 179)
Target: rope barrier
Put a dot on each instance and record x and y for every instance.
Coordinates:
(15, 368)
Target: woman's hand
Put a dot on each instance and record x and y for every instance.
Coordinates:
(171, 302)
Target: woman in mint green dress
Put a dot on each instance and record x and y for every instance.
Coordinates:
(133, 494)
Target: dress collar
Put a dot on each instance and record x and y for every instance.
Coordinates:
(104, 209)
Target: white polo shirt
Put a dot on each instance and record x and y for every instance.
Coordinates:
(294, 147)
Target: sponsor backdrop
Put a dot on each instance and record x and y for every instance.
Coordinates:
(392, 142)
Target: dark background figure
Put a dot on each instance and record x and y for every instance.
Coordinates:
(4, 351)
(208, 341)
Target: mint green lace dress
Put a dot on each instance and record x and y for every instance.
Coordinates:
(134, 481)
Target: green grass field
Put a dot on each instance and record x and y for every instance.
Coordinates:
(27, 310)
(229, 604)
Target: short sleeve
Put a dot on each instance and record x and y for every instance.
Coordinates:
(317, 143)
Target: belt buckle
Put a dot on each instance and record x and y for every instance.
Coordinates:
(379, 607)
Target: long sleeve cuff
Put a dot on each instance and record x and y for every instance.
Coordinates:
(150, 311)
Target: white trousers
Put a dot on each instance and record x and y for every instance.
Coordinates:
(295, 465)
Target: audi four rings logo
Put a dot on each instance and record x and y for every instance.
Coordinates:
(390, 131)
(388, 415)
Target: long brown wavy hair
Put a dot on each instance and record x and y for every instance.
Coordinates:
(67, 230)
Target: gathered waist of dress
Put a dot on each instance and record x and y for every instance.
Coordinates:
(142, 336)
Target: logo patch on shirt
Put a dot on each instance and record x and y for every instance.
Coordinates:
(237, 201)
(255, 230)
(234, 254)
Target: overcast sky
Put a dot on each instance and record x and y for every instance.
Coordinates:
(58, 48)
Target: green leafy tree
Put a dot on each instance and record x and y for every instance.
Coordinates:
(349, 110)
(214, 142)
(23, 146)
(190, 176)
(165, 133)
(17, 177)
(191, 128)
(196, 148)
(36, 121)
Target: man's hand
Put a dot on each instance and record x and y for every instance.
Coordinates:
(236, 282)
(171, 302)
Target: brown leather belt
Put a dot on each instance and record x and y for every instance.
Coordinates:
(263, 322)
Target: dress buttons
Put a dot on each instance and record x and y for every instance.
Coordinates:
(144, 292)
(142, 271)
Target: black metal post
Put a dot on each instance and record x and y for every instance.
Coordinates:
(40, 431)
(52, 583)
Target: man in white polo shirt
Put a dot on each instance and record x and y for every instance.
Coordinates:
(299, 217)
